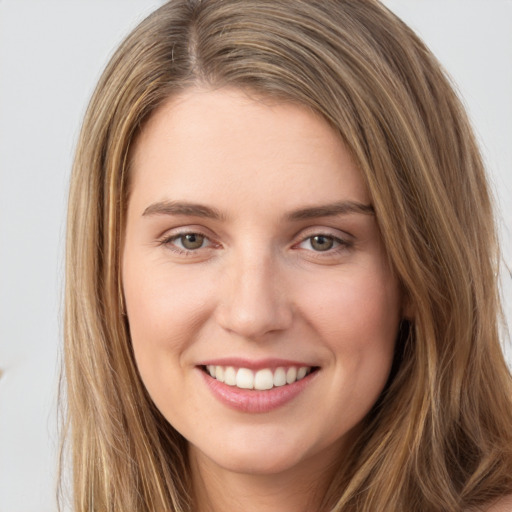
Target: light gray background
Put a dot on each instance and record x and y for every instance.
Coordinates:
(51, 54)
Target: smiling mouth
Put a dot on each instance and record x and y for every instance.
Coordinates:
(260, 380)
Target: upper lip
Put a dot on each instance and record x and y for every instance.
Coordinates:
(254, 364)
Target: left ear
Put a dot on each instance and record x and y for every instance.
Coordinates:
(408, 309)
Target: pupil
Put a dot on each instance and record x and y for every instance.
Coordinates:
(322, 243)
(192, 241)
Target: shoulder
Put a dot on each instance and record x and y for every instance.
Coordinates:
(502, 505)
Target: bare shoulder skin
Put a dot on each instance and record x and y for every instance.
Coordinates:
(503, 505)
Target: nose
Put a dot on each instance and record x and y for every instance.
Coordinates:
(254, 298)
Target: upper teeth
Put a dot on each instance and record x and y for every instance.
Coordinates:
(263, 379)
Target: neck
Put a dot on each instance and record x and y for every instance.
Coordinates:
(299, 490)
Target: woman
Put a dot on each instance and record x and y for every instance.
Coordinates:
(281, 272)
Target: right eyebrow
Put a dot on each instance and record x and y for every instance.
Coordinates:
(183, 208)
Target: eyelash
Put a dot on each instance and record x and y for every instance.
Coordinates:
(340, 244)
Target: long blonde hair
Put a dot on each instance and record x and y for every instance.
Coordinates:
(440, 436)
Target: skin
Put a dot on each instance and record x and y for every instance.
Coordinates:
(502, 505)
(256, 288)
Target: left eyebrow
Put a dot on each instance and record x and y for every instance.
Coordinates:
(331, 210)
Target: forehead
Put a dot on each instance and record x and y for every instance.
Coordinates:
(211, 145)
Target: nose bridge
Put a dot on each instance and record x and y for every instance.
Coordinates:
(254, 301)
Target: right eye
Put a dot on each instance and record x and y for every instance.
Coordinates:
(190, 241)
(186, 243)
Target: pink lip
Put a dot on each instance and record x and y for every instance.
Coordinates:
(253, 401)
(238, 362)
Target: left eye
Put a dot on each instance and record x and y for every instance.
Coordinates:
(320, 243)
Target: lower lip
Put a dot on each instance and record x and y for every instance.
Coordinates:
(254, 401)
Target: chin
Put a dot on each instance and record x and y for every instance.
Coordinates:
(262, 454)
(256, 465)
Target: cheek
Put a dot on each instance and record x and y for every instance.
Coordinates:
(165, 311)
(355, 302)
(356, 315)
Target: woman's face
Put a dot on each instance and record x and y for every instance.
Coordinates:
(252, 255)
